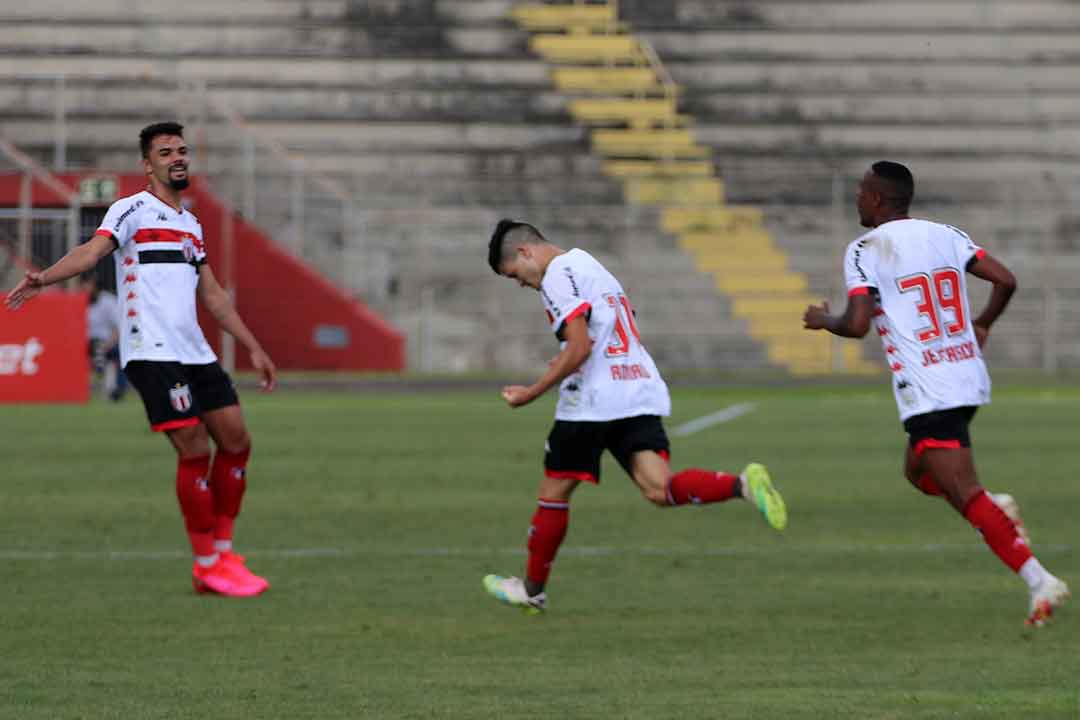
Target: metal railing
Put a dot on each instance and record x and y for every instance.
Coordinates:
(28, 233)
(318, 218)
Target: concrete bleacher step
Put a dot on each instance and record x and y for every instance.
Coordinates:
(891, 44)
(343, 40)
(933, 76)
(414, 73)
(82, 96)
(336, 135)
(868, 15)
(890, 106)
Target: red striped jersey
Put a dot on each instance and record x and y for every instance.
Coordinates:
(158, 253)
(619, 379)
(917, 269)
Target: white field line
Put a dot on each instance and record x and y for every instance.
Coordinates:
(577, 551)
(721, 416)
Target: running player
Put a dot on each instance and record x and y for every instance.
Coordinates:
(907, 277)
(161, 267)
(611, 397)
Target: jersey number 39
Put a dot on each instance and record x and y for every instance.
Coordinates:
(937, 294)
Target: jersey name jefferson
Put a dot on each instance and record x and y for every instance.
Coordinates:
(918, 271)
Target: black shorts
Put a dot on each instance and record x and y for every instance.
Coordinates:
(176, 395)
(574, 448)
(940, 429)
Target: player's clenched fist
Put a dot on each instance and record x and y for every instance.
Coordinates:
(814, 317)
(516, 395)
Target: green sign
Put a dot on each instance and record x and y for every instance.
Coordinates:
(97, 190)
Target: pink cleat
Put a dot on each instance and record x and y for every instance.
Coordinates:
(221, 579)
(237, 563)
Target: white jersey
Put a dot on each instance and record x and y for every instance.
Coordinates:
(619, 379)
(158, 253)
(918, 269)
(103, 317)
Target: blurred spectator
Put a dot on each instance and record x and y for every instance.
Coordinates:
(103, 331)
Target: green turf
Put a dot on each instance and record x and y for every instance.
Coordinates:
(406, 500)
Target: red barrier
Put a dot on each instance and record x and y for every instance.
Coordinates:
(303, 321)
(43, 350)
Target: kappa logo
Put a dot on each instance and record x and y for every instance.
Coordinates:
(180, 397)
(162, 217)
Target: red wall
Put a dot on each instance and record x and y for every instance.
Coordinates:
(280, 298)
(43, 354)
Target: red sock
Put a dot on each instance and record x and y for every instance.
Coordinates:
(929, 486)
(702, 486)
(997, 530)
(196, 503)
(546, 533)
(228, 481)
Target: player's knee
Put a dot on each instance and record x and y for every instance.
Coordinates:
(236, 442)
(656, 495)
(191, 442)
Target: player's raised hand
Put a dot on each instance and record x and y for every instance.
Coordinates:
(815, 315)
(262, 362)
(27, 288)
(516, 395)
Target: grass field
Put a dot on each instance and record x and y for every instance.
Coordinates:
(376, 515)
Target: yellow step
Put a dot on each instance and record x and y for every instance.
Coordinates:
(647, 143)
(765, 261)
(625, 110)
(733, 283)
(799, 351)
(723, 219)
(738, 241)
(605, 80)
(580, 48)
(657, 168)
(674, 191)
(775, 305)
(539, 16)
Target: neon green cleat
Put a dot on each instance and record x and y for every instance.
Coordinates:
(766, 497)
(511, 590)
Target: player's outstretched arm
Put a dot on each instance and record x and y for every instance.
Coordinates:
(990, 269)
(854, 323)
(574, 353)
(217, 301)
(79, 260)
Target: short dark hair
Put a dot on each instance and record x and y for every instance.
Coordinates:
(900, 180)
(148, 133)
(498, 237)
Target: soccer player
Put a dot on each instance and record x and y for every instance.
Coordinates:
(907, 277)
(161, 267)
(611, 397)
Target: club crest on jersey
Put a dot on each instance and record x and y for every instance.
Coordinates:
(180, 397)
(188, 248)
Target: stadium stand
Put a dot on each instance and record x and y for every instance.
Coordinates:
(436, 117)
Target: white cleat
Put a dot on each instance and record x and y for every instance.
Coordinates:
(1010, 507)
(511, 590)
(1047, 597)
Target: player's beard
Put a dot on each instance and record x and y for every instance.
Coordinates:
(179, 183)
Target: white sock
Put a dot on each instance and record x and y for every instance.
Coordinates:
(1033, 573)
(206, 560)
(744, 488)
(223, 545)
